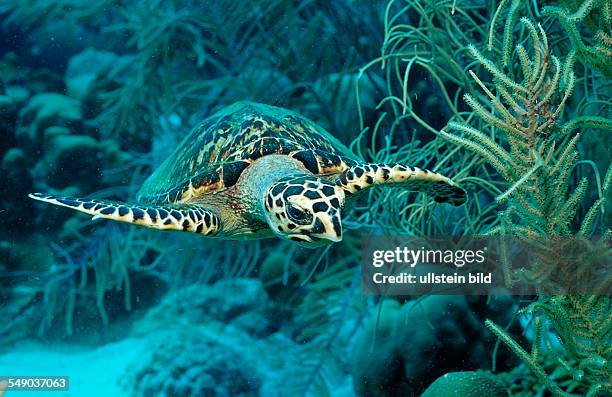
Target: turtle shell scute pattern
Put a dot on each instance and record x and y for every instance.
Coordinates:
(214, 154)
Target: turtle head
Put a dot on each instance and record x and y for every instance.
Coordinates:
(305, 209)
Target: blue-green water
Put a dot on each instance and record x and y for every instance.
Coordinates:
(512, 104)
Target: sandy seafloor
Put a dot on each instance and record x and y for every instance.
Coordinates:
(93, 371)
(90, 370)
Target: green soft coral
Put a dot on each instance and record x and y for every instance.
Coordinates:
(466, 384)
(536, 153)
(588, 25)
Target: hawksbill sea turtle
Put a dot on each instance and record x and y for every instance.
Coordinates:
(258, 171)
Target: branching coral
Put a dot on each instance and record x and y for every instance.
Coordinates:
(595, 51)
(538, 158)
(518, 125)
(535, 153)
(421, 63)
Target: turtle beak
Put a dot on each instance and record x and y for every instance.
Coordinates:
(332, 226)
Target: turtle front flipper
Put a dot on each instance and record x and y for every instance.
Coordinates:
(183, 217)
(441, 188)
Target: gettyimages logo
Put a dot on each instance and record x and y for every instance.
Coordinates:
(411, 257)
(476, 265)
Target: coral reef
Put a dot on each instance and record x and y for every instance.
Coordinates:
(89, 75)
(403, 361)
(466, 384)
(194, 362)
(16, 181)
(43, 111)
(512, 98)
(539, 202)
(250, 310)
(8, 114)
(219, 347)
(63, 155)
(593, 16)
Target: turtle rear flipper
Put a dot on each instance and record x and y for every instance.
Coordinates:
(441, 188)
(183, 217)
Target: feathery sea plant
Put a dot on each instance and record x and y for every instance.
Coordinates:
(595, 17)
(331, 309)
(538, 157)
(535, 153)
(421, 63)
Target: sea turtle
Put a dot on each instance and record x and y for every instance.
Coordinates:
(258, 171)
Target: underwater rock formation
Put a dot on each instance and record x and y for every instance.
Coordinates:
(408, 346)
(248, 309)
(19, 95)
(466, 384)
(44, 111)
(271, 274)
(193, 362)
(8, 115)
(114, 172)
(87, 77)
(22, 305)
(384, 374)
(54, 42)
(15, 183)
(211, 340)
(64, 160)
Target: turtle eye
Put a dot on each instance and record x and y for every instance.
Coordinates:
(298, 214)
